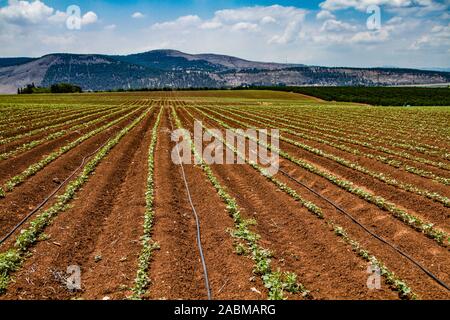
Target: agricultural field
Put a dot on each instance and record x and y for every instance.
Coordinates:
(88, 181)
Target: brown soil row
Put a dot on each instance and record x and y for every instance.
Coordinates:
(425, 250)
(51, 121)
(99, 233)
(30, 193)
(436, 170)
(415, 204)
(176, 271)
(301, 243)
(19, 142)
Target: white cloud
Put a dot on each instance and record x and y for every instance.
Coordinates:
(180, 23)
(362, 5)
(89, 18)
(19, 12)
(268, 19)
(325, 14)
(211, 25)
(23, 13)
(138, 15)
(245, 26)
(337, 26)
(110, 27)
(370, 37)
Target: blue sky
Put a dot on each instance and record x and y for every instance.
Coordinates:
(410, 33)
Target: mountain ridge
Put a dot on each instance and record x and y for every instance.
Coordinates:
(176, 69)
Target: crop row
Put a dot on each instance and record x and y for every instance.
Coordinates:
(47, 126)
(37, 123)
(338, 116)
(32, 144)
(395, 282)
(386, 160)
(148, 245)
(46, 160)
(416, 223)
(369, 135)
(355, 166)
(368, 145)
(12, 259)
(247, 241)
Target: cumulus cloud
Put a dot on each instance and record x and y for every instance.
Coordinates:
(362, 5)
(138, 15)
(89, 18)
(180, 23)
(20, 12)
(25, 13)
(333, 25)
(325, 14)
(281, 25)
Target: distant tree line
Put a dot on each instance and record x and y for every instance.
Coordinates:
(381, 96)
(55, 88)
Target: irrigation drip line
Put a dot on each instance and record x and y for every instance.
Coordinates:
(404, 254)
(197, 222)
(399, 251)
(48, 198)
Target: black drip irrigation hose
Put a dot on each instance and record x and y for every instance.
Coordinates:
(197, 222)
(399, 251)
(48, 198)
(412, 260)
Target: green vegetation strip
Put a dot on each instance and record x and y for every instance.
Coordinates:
(61, 122)
(246, 241)
(383, 177)
(441, 237)
(389, 161)
(142, 280)
(36, 167)
(329, 122)
(32, 144)
(12, 259)
(368, 145)
(392, 280)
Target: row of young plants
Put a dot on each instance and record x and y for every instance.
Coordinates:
(335, 114)
(22, 114)
(368, 145)
(45, 118)
(32, 144)
(142, 280)
(425, 123)
(16, 118)
(320, 126)
(386, 160)
(247, 241)
(392, 280)
(12, 259)
(371, 135)
(425, 227)
(292, 123)
(53, 124)
(383, 177)
(443, 152)
(46, 160)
